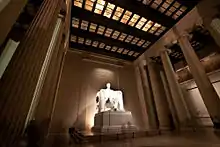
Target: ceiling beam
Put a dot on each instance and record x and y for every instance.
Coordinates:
(100, 51)
(189, 3)
(144, 11)
(106, 40)
(112, 24)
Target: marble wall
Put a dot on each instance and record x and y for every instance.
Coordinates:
(194, 99)
(80, 81)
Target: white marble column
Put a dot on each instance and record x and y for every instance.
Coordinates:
(142, 98)
(152, 116)
(176, 93)
(208, 10)
(205, 87)
(159, 97)
(214, 30)
(169, 100)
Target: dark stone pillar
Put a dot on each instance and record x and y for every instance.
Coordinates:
(159, 96)
(19, 81)
(206, 89)
(148, 95)
(175, 90)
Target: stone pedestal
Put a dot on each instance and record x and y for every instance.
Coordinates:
(114, 122)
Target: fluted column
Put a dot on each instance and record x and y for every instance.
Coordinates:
(49, 88)
(141, 98)
(176, 93)
(207, 91)
(18, 84)
(209, 11)
(174, 123)
(214, 30)
(159, 97)
(152, 115)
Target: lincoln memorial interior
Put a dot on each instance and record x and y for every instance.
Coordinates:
(109, 73)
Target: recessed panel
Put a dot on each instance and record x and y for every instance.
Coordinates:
(126, 16)
(92, 27)
(88, 42)
(125, 51)
(101, 45)
(135, 40)
(95, 43)
(141, 23)
(131, 53)
(99, 6)
(109, 9)
(122, 16)
(168, 7)
(75, 22)
(122, 37)
(84, 25)
(129, 38)
(136, 54)
(80, 40)
(114, 48)
(73, 38)
(140, 43)
(133, 20)
(115, 34)
(120, 50)
(118, 13)
(89, 4)
(101, 30)
(78, 3)
(147, 26)
(108, 32)
(146, 44)
(108, 47)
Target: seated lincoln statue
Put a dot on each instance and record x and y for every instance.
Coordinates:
(111, 116)
(108, 99)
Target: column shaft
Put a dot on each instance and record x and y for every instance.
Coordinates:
(170, 101)
(152, 115)
(142, 98)
(48, 91)
(205, 87)
(177, 96)
(214, 30)
(159, 97)
(19, 81)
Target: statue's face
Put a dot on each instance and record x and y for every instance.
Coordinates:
(108, 85)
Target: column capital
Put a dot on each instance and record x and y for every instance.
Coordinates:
(183, 34)
(180, 34)
(143, 62)
(167, 50)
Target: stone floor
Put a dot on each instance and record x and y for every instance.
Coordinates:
(187, 139)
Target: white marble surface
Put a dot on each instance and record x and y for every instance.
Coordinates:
(114, 121)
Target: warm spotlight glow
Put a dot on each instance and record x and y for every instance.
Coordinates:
(103, 73)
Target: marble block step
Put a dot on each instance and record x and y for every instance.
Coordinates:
(114, 122)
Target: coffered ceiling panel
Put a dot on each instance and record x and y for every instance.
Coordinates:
(123, 28)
